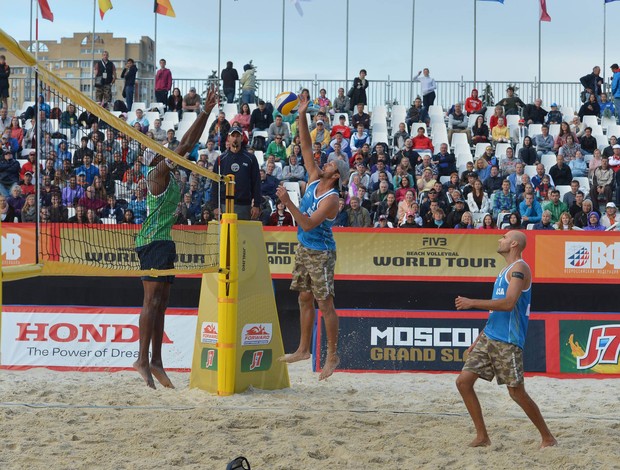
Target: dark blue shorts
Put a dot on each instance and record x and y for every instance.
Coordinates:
(159, 254)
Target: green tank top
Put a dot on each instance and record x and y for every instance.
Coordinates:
(160, 216)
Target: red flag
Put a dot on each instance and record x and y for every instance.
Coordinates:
(46, 12)
(544, 16)
(163, 7)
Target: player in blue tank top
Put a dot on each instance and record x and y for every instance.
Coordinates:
(315, 259)
(498, 350)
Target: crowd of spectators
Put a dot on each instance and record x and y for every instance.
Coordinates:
(411, 181)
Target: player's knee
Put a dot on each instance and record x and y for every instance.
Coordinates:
(516, 393)
(327, 306)
(305, 298)
(463, 384)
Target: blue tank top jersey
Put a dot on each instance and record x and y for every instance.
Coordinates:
(320, 237)
(509, 327)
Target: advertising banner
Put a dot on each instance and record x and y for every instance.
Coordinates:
(590, 346)
(579, 257)
(397, 254)
(87, 339)
(398, 341)
(18, 244)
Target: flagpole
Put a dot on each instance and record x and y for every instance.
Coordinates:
(282, 70)
(539, 45)
(475, 34)
(92, 62)
(604, 43)
(37, 119)
(27, 91)
(219, 39)
(346, 53)
(155, 57)
(412, 43)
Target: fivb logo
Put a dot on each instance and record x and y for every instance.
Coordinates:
(603, 347)
(11, 246)
(591, 255)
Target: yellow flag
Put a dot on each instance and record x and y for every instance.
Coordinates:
(104, 5)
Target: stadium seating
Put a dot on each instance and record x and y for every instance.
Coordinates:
(584, 182)
(230, 110)
(172, 116)
(530, 170)
(512, 120)
(458, 138)
(534, 129)
(138, 105)
(337, 117)
(590, 121)
(548, 160)
(563, 188)
(554, 130)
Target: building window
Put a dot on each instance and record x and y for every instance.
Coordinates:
(84, 63)
(70, 64)
(85, 88)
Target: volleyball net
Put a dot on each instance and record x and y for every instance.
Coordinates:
(93, 206)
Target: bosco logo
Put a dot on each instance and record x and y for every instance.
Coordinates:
(11, 246)
(591, 255)
(603, 347)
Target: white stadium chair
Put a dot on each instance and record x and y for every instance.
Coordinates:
(554, 130)
(435, 110)
(230, 110)
(534, 129)
(463, 158)
(480, 149)
(190, 116)
(138, 105)
(530, 170)
(584, 182)
(472, 120)
(172, 116)
(548, 160)
(590, 121)
(458, 138)
(512, 120)
(417, 125)
(563, 188)
(337, 118)
(462, 149)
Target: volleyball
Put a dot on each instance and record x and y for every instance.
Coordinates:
(286, 102)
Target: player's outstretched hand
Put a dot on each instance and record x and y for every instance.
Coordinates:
(463, 303)
(211, 99)
(282, 194)
(303, 104)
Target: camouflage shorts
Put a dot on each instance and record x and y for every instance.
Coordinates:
(314, 272)
(491, 358)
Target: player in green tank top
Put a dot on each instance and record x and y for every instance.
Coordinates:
(156, 250)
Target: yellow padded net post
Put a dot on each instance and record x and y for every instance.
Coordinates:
(228, 289)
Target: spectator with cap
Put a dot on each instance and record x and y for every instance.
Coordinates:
(260, 119)
(243, 165)
(610, 217)
(27, 186)
(191, 101)
(412, 219)
(320, 134)
(342, 128)
(554, 116)
(456, 214)
(383, 222)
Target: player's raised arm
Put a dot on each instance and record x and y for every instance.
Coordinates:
(157, 179)
(314, 172)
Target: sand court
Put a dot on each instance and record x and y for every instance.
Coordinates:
(364, 421)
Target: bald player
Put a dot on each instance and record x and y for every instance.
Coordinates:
(498, 350)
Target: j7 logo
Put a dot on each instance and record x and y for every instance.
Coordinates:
(257, 357)
(603, 347)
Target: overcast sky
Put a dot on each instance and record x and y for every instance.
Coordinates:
(379, 36)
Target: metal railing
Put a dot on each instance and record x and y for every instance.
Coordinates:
(379, 92)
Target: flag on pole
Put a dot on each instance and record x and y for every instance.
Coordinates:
(609, 1)
(544, 16)
(104, 5)
(163, 7)
(46, 12)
